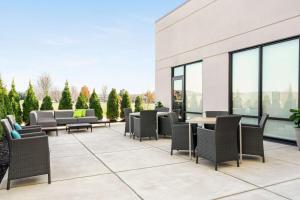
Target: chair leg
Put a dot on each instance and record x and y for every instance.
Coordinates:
(197, 159)
(263, 159)
(49, 178)
(171, 152)
(216, 167)
(140, 139)
(8, 184)
(238, 163)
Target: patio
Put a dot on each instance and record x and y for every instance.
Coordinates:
(106, 165)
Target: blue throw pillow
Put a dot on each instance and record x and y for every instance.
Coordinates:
(17, 126)
(15, 135)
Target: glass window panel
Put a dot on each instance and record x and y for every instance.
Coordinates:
(194, 87)
(280, 78)
(191, 116)
(179, 71)
(245, 68)
(280, 129)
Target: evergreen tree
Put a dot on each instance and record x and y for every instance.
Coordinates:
(125, 103)
(14, 98)
(47, 103)
(81, 102)
(138, 104)
(7, 102)
(112, 105)
(65, 102)
(95, 104)
(30, 103)
(2, 108)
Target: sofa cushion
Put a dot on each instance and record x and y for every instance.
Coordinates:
(90, 113)
(17, 126)
(77, 113)
(47, 122)
(45, 114)
(63, 113)
(66, 120)
(87, 120)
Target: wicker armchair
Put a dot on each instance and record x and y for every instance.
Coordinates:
(214, 114)
(180, 134)
(221, 144)
(29, 156)
(252, 138)
(25, 129)
(145, 125)
(127, 111)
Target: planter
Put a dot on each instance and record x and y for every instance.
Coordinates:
(297, 133)
(4, 158)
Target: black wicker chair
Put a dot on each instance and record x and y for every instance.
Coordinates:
(25, 129)
(164, 126)
(127, 111)
(214, 114)
(252, 138)
(145, 125)
(28, 156)
(180, 134)
(221, 144)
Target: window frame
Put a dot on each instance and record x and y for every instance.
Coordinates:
(184, 86)
(260, 77)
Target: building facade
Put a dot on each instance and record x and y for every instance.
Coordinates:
(239, 56)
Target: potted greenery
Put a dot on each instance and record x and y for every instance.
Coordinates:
(296, 118)
(159, 104)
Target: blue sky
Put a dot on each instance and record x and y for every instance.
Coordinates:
(87, 42)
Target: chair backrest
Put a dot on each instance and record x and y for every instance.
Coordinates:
(33, 118)
(7, 129)
(11, 120)
(227, 131)
(127, 111)
(215, 113)
(148, 121)
(173, 118)
(263, 121)
(162, 109)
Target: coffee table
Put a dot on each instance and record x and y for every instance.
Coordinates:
(49, 129)
(77, 126)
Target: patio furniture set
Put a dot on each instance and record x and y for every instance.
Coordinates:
(218, 137)
(51, 120)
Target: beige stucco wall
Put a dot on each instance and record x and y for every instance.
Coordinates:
(208, 29)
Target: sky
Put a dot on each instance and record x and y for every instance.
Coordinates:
(87, 42)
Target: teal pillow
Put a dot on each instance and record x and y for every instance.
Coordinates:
(17, 126)
(15, 135)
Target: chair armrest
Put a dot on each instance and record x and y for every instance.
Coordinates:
(251, 125)
(30, 130)
(205, 135)
(26, 135)
(251, 129)
(32, 126)
(30, 146)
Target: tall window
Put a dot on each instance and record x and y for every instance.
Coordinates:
(265, 79)
(245, 67)
(280, 78)
(194, 88)
(187, 90)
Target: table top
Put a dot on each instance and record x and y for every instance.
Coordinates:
(203, 120)
(138, 113)
(79, 125)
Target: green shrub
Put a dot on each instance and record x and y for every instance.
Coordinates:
(112, 105)
(138, 104)
(2, 108)
(95, 104)
(30, 103)
(47, 103)
(125, 103)
(65, 102)
(14, 98)
(81, 102)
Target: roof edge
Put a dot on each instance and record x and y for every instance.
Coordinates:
(172, 11)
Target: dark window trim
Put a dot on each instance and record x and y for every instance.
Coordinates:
(260, 89)
(184, 86)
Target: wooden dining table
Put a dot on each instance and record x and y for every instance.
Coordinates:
(208, 120)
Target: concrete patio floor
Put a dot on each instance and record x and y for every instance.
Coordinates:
(106, 165)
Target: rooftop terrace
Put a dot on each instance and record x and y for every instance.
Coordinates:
(106, 165)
